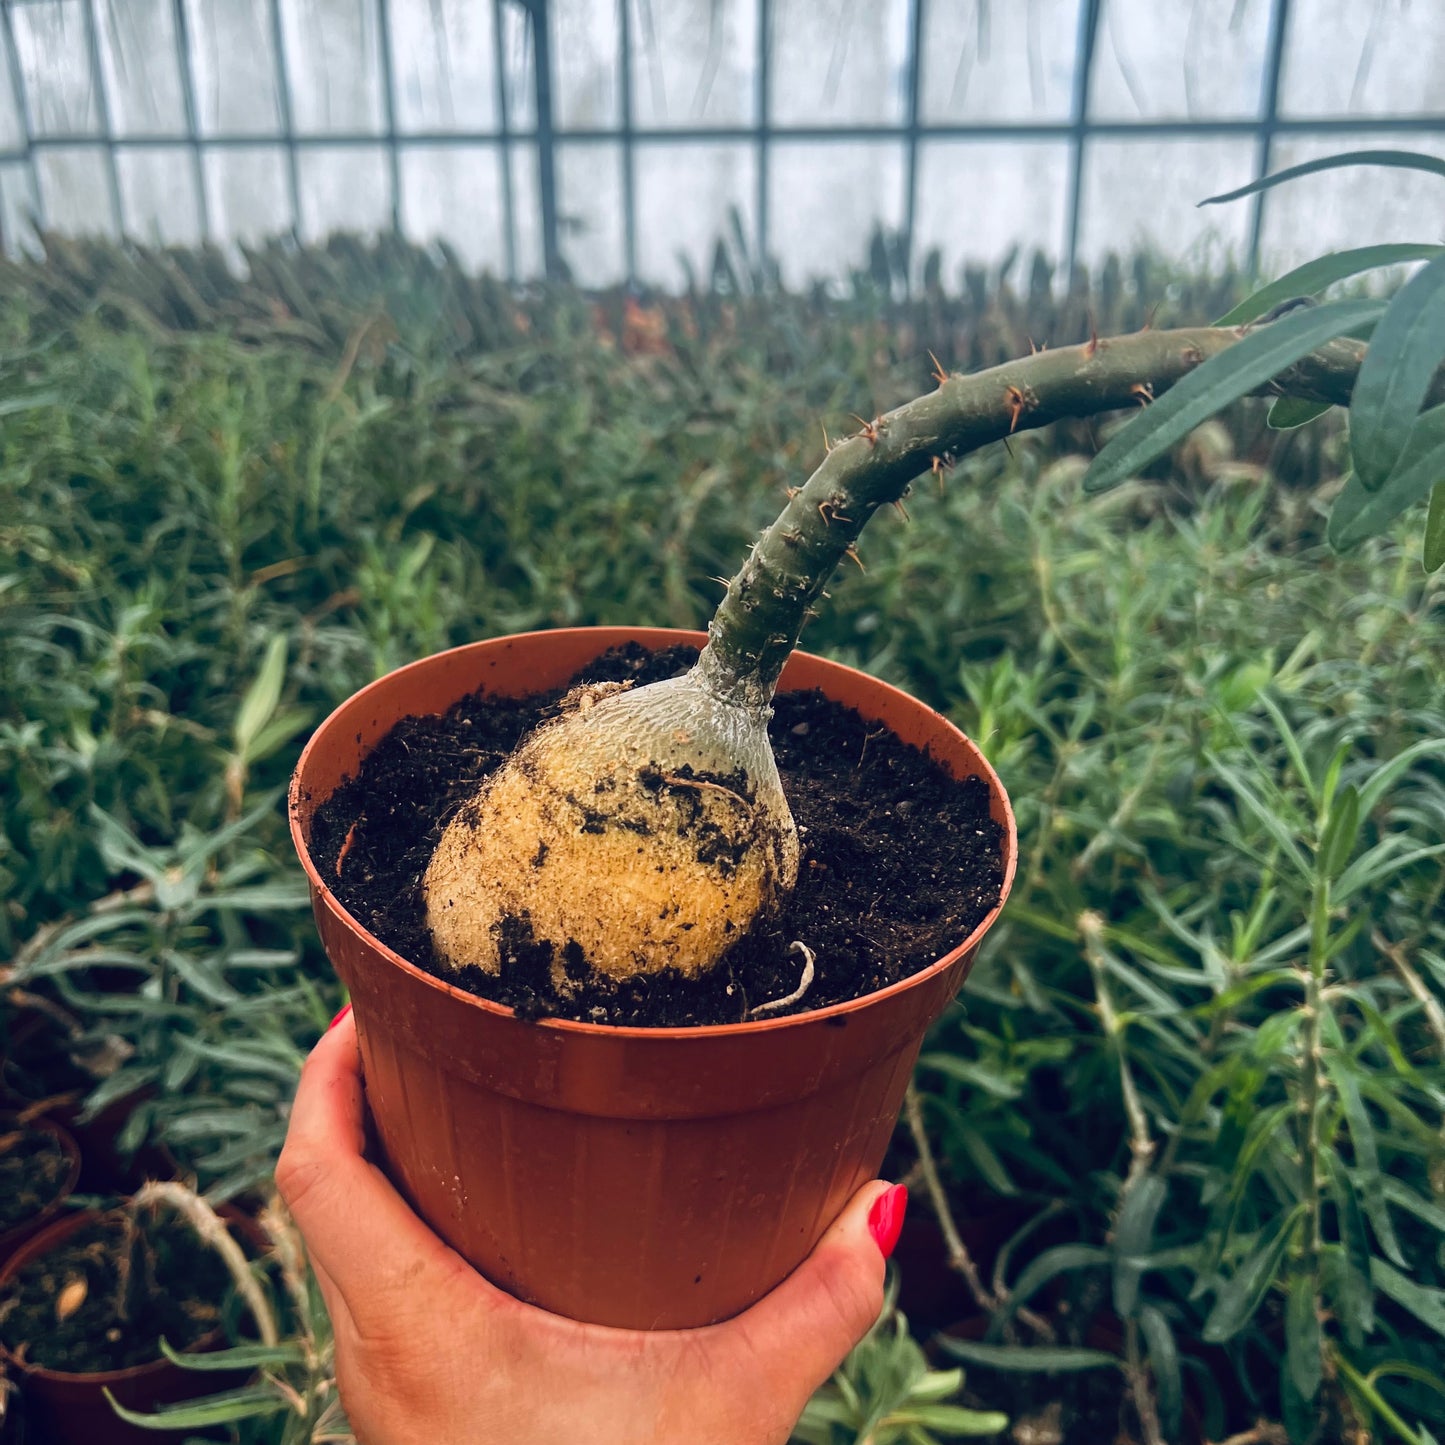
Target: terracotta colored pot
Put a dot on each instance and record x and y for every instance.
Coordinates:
(12, 1238)
(66, 1408)
(648, 1178)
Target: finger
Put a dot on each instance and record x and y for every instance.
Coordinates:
(358, 1229)
(800, 1332)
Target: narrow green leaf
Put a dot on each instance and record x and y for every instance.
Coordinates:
(14, 405)
(1236, 1303)
(1425, 1302)
(1267, 818)
(1302, 1336)
(1134, 1238)
(1367, 1155)
(1359, 513)
(1406, 160)
(1435, 529)
(1396, 374)
(1357, 1290)
(1164, 1364)
(1341, 829)
(1289, 412)
(1028, 1359)
(221, 1409)
(952, 1420)
(1256, 358)
(1314, 276)
(242, 1357)
(1387, 774)
(261, 697)
(966, 1071)
(1058, 1260)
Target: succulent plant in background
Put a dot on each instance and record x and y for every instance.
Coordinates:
(647, 828)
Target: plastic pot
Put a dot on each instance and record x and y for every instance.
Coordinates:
(12, 1238)
(68, 1408)
(647, 1178)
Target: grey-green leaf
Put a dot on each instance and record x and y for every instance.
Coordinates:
(1396, 374)
(1425, 1302)
(1164, 1363)
(1435, 530)
(1252, 361)
(950, 1420)
(1323, 271)
(1367, 1156)
(1028, 1359)
(1359, 513)
(242, 1357)
(1302, 1336)
(1290, 412)
(1134, 1238)
(1341, 829)
(1236, 1303)
(1406, 160)
(221, 1409)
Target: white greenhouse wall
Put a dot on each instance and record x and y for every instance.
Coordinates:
(971, 126)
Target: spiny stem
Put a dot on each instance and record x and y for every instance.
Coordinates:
(767, 602)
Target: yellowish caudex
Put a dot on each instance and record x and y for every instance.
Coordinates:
(642, 829)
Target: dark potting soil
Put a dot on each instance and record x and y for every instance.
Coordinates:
(33, 1168)
(900, 862)
(64, 1310)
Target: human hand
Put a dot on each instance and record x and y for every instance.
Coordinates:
(429, 1351)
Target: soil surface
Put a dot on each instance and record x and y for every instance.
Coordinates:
(103, 1298)
(900, 862)
(33, 1168)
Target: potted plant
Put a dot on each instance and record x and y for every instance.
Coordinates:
(644, 830)
(39, 1166)
(93, 1308)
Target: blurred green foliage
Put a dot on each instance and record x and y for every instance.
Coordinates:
(1204, 1046)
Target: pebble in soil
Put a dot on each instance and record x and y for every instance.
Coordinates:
(900, 862)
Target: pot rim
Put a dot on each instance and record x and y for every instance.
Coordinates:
(36, 1246)
(653, 637)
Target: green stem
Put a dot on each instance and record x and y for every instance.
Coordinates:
(768, 601)
(1311, 1069)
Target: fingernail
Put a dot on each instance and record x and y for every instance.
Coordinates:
(885, 1219)
(346, 1009)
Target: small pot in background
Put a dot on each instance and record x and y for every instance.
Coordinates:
(12, 1238)
(70, 1408)
(648, 1178)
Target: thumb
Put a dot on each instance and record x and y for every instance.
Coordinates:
(800, 1331)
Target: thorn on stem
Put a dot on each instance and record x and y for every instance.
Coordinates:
(852, 552)
(870, 429)
(1092, 345)
(1142, 392)
(938, 373)
(1149, 319)
(940, 465)
(901, 509)
(827, 445)
(792, 492)
(1017, 404)
(828, 510)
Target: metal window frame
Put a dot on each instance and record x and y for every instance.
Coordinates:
(1077, 131)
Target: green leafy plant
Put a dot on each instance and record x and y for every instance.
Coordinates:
(884, 1393)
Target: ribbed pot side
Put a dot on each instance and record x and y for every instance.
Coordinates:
(647, 1178)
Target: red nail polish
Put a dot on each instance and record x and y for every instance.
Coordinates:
(885, 1218)
(345, 1010)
